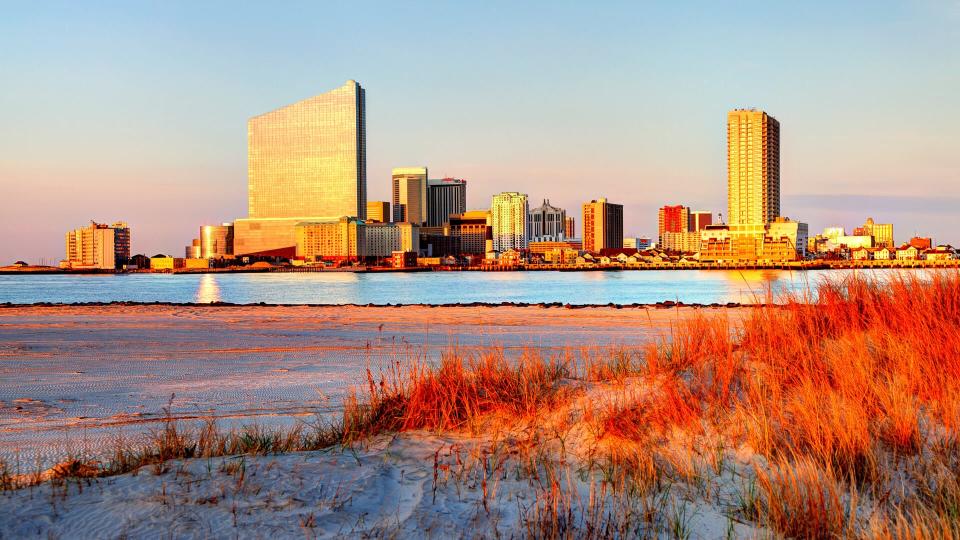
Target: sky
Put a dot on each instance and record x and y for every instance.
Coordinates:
(137, 111)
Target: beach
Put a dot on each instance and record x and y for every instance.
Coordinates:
(75, 378)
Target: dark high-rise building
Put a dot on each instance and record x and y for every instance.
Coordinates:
(445, 197)
(569, 227)
(602, 225)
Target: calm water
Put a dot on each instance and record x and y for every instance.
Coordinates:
(624, 287)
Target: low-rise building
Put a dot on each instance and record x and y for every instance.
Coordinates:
(940, 253)
(196, 264)
(404, 259)
(165, 262)
(908, 253)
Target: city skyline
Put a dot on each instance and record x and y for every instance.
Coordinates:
(169, 169)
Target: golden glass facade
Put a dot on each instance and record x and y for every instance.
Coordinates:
(753, 167)
(216, 241)
(309, 158)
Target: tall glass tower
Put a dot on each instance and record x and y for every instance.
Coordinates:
(753, 167)
(309, 159)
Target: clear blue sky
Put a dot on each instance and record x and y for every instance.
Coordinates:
(137, 110)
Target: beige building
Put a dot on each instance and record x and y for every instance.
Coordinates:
(331, 240)
(602, 225)
(98, 246)
(687, 242)
(509, 212)
(781, 241)
(753, 167)
(306, 162)
(378, 211)
(410, 195)
(351, 239)
(473, 229)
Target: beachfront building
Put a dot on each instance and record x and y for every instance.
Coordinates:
(508, 219)
(306, 161)
(378, 212)
(908, 253)
(672, 219)
(216, 241)
(352, 239)
(97, 246)
(753, 167)
(474, 230)
(547, 223)
(333, 240)
(602, 225)
(683, 242)
(783, 240)
(445, 197)
(410, 195)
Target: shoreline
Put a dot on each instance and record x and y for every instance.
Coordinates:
(799, 266)
(666, 304)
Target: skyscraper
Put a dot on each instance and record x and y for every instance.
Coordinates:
(547, 223)
(508, 216)
(307, 161)
(309, 158)
(378, 211)
(602, 225)
(753, 167)
(445, 197)
(672, 219)
(569, 227)
(410, 195)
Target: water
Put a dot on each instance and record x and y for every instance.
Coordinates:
(624, 287)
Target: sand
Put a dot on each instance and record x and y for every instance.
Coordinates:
(73, 378)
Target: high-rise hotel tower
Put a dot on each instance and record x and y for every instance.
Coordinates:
(305, 161)
(753, 167)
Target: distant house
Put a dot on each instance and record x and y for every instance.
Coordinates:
(883, 254)
(908, 253)
(940, 253)
(860, 254)
(586, 259)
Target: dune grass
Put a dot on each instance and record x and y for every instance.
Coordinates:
(827, 415)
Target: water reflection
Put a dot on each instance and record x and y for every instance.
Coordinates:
(626, 287)
(208, 290)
